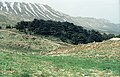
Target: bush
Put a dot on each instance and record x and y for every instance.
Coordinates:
(67, 32)
(8, 27)
(0, 27)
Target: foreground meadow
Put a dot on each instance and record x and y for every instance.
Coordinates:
(36, 56)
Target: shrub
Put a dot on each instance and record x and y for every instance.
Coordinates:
(8, 27)
(0, 27)
(67, 32)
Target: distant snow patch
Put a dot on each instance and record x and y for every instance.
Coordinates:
(40, 12)
(19, 7)
(28, 10)
(45, 9)
(30, 5)
(1, 8)
(49, 17)
(5, 5)
(12, 6)
(115, 39)
(27, 13)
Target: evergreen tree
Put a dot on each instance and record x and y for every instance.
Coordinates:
(67, 32)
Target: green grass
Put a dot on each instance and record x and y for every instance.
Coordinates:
(76, 63)
(81, 61)
(68, 61)
(30, 64)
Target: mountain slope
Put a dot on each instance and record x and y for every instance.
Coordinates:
(12, 12)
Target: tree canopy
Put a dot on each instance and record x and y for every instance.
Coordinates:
(67, 32)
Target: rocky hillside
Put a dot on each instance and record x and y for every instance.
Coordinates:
(12, 12)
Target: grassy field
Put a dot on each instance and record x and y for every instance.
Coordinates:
(35, 56)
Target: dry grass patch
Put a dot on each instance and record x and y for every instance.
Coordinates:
(107, 49)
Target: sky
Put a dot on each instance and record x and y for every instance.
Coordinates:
(107, 9)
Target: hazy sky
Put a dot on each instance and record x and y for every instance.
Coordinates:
(107, 9)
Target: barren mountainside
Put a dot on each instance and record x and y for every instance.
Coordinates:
(12, 12)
